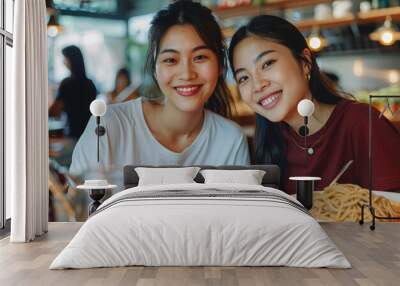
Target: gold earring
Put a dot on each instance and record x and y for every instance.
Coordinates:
(308, 77)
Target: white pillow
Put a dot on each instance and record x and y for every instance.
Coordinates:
(163, 176)
(248, 177)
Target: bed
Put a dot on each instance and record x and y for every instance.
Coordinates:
(201, 224)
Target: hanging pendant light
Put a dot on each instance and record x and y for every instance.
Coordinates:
(53, 26)
(387, 34)
(316, 41)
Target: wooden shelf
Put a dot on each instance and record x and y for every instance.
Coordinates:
(243, 10)
(327, 23)
(286, 4)
(375, 15)
(305, 25)
(379, 15)
(254, 10)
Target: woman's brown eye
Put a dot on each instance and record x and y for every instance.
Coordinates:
(242, 79)
(201, 57)
(267, 64)
(169, 61)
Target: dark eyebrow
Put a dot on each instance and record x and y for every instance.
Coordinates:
(237, 71)
(169, 51)
(176, 52)
(204, 47)
(256, 60)
(263, 54)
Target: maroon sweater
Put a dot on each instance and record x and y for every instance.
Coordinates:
(343, 138)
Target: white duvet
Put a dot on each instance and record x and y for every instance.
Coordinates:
(185, 231)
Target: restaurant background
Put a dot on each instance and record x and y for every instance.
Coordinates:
(112, 34)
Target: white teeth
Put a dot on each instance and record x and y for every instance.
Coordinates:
(268, 100)
(186, 89)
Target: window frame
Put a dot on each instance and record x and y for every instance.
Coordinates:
(6, 39)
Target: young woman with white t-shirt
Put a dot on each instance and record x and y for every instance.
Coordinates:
(186, 58)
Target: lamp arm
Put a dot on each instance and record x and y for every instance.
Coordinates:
(98, 138)
(305, 131)
(100, 131)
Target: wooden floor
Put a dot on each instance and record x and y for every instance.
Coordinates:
(375, 256)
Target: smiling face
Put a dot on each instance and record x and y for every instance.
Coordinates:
(270, 79)
(186, 69)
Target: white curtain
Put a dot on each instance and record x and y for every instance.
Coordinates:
(26, 124)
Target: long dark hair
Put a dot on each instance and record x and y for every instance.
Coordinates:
(75, 58)
(269, 142)
(201, 19)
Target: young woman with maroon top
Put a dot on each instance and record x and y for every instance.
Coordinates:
(274, 70)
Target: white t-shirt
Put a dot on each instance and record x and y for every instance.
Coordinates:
(128, 141)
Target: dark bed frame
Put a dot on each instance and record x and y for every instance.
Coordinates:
(270, 179)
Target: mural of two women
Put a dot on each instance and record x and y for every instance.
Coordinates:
(274, 69)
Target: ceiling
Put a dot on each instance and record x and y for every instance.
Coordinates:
(117, 9)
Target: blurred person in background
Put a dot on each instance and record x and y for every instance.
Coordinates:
(123, 89)
(75, 93)
(74, 96)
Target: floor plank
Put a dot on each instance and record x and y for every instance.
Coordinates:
(375, 257)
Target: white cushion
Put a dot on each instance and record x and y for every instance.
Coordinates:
(163, 176)
(248, 177)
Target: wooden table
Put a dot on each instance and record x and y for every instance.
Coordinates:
(374, 255)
